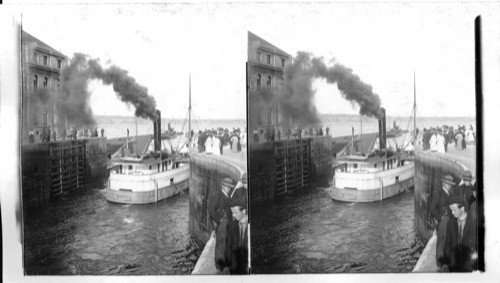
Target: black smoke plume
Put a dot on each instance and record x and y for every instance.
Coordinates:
(75, 96)
(299, 93)
(296, 98)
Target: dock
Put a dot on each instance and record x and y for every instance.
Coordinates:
(466, 159)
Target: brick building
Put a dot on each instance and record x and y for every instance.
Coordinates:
(266, 65)
(41, 86)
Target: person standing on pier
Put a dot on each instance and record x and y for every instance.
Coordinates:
(441, 212)
(426, 139)
(466, 191)
(237, 238)
(440, 142)
(220, 213)
(240, 192)
(460, 252)
(433, 140)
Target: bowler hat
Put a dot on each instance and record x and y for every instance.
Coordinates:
(448, 180)
(467, 175)
(238, 202)
(244, 178)
(228, 182)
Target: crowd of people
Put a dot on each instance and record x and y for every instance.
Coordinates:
(454, 209)
(228, 209)
(439, 138)
(213, 141)
(47, 134)
(272, 133)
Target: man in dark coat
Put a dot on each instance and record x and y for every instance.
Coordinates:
(466, 191)
(220, 213)
(441, 212)
(237, 238)
(460, 250)
(425, 139)
(240, 192)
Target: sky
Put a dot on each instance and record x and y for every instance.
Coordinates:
(384, 44)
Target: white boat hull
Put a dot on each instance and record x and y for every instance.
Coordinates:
(140, 189)
(369, 187)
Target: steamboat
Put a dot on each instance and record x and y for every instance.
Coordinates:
(156, 174)
(384, 171)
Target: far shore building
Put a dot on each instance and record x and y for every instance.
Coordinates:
(41, 86)
(266, 65)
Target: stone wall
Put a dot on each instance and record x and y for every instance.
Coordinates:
(430, 168)
(206, 174)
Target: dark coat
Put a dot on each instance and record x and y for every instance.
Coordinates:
(465, 193)
(467, 244)
(240, 193)
(439, 204)
(218, 206)
(236, 250)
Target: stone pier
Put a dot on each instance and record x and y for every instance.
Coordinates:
(430, 168)
(206, 174)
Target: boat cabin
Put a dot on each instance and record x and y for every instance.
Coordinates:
(369, 164)
(145, 165)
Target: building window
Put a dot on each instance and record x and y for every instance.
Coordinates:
(45, 60)
(268, 59)
(45, 82)
(59, 64)
(258, 81)
(35, 83)
(36, 57)
(269, 81)
(258, 56)
(282, 62)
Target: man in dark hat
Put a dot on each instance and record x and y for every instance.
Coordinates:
(460, 251)
(240, 192)
(467, 192)
(220, 212)
(237, 238)
(441, 212)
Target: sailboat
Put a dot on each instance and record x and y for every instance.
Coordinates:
(156, 174)
(379, 174)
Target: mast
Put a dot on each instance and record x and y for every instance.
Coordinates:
(361, 136)
(414, 108)
(189, 133)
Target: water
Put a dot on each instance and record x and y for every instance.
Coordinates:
(311, 233)
(84, 234)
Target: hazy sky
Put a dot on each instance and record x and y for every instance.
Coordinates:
(383, 43)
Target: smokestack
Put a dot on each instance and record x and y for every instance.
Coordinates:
(157, 131)
(382, 130)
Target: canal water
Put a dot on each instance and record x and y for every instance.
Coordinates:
(311, 233)
(85, 234)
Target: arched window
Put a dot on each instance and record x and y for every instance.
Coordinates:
(259, 81)
(269, 81)
(45, 82)
(35, 83)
